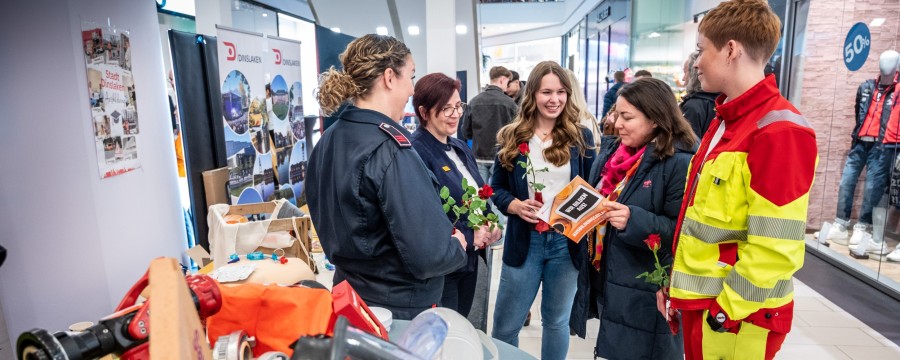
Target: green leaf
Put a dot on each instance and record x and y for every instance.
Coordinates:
(473, 218)
(538, 186)
(465, 183)
(445, 192)
(545, 169)
(645, 274)
(446, 208)
(463, 210)
(492, 217)
(450, 201)
(466, 197)
(477, 203)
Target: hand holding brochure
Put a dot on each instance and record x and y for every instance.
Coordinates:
(575, 210)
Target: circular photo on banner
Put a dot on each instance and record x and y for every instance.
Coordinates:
(298, 126)
(264, 177)
(286, 192)
(280, 97)
(249, 196)
(236, 101)
(259, 125)
(281, 163)
(298, 168)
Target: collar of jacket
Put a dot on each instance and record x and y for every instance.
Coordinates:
(751, 100)
(432, 142)
(366, 116)
(494, 88)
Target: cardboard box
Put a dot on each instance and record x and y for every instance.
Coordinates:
(215, 183)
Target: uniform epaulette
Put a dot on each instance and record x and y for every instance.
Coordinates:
(395, 134)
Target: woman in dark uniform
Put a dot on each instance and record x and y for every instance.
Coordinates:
(439, 108)
(375, 206)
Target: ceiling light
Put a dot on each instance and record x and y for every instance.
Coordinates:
(336, 29)
(265, 14)
(461, 29)
(876, 22)
(653, 35)
(413, 30)
(381, 30)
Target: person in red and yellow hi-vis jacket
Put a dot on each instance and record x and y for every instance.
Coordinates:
(743, 218)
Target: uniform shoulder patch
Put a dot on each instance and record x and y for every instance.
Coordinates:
(395, 134)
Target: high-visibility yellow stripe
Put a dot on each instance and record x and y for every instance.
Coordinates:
(750, 292)
(704, 285)
(776, 228)
(710, 234)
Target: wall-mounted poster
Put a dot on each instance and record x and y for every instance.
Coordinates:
(112, 100)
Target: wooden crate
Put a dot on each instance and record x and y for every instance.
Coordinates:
(301, 249)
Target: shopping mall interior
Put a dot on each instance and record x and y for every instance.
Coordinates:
(150, 72)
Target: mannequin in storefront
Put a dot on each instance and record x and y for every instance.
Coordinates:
(874, 101)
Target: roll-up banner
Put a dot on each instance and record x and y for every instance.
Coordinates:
(286, 118)
(263, 114)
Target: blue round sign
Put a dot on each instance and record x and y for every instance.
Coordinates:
(856, 46)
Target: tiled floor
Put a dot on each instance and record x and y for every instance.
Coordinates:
(821, 331)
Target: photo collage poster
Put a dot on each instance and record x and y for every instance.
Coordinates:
(260, 111)
(114, 117)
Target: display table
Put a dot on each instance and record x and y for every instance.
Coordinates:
(505, 351)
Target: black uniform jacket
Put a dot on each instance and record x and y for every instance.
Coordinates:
(378, 212)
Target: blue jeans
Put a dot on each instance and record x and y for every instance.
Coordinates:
(548, 261)
(868, 155)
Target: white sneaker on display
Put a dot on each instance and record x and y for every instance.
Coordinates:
(858, 251)
(859, 231)
(868, 245)
(837, 233)
(894, 255)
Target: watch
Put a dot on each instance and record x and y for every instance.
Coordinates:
(716, 323)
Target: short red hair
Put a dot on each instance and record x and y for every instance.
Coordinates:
(433, 91)
(749, 22)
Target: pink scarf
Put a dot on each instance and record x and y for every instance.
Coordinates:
(618, 165)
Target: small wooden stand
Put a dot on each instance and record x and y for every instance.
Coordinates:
(301, 249)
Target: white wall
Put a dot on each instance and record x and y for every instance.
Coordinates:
(77, 243)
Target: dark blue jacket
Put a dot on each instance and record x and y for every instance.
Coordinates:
(433, 153)
(512, 185)
(378, 214)
(630, 325)
(610, 98)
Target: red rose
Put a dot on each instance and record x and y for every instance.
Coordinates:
(485, 192)
(653, 242)
(523, 148)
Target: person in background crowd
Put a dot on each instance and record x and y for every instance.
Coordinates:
(439, 108)
(640, 74)
(487, 113)
(547, 129)
(609, 122)
(609, 99)
(514, 88)
(698, 106)
(586, 119)
(372, 201)
(742, 223)
(642, 172)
